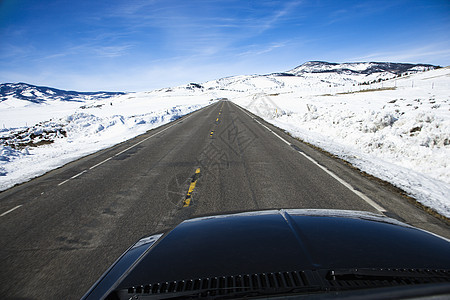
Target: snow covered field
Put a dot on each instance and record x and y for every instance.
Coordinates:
(66, 131)
(397, 130)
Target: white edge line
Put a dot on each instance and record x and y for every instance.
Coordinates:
(100, 163)
(273, 133)
(161, 131)
(131, 147)
(12, 209)
(346, 184)
(79, 174)
(266, 127)
(61, 183)
(340, 180)
(73, 177)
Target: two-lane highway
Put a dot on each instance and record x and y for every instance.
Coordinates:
(61, 231)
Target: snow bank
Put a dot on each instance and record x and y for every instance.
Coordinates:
(398, 130)
(28, 152)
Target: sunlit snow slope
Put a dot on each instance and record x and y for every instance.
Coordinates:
(397, 130)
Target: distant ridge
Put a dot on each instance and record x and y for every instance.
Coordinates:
(311, 73)
(366, 68)
(41, 94)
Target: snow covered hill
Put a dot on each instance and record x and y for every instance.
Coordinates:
(41, 94)
(389, 120)
(366, 68)
(318, 76)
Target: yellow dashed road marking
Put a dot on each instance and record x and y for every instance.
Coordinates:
(187, 200)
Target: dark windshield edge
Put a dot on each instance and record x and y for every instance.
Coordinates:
(294, 282)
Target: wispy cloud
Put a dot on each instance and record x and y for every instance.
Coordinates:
(89, 49)
(359, 11)
(261, 49)
(278, 15)
(112, 51)
(12, 51)
(131, 8)
(202, 33)
(424, 54)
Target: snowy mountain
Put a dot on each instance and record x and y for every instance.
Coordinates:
(41, 94)
(312, 74)
(366, 68)
(318, 75)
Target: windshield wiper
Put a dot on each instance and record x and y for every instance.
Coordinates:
(388, 274)
(285, 283)
(225, 293)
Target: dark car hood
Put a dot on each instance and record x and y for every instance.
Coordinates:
(285, 240)
(304, 245)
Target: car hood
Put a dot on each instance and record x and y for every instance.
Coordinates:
(283, 240)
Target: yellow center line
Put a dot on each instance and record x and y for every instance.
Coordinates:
(217, 121)
(187, 200)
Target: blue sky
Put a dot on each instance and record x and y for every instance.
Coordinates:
(134, 45)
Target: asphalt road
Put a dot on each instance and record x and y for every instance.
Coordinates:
(61, 231)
